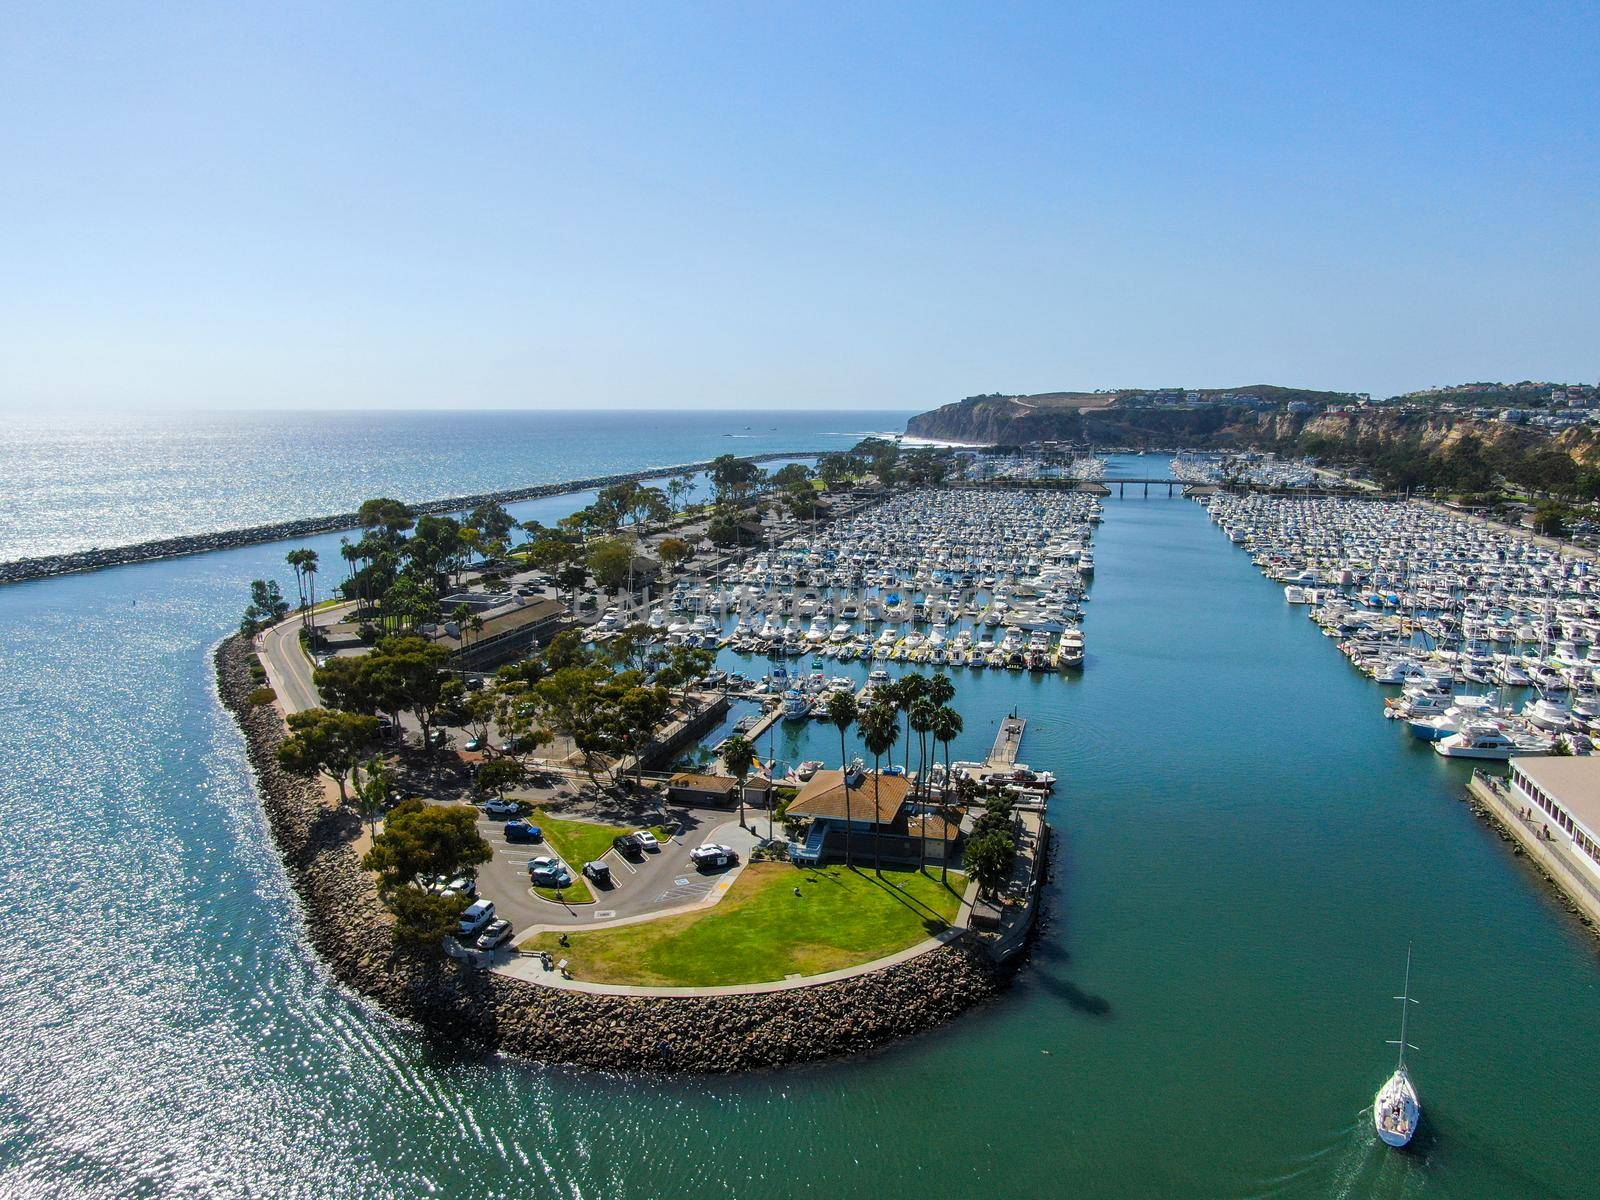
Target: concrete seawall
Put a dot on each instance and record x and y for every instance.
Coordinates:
(23, 569)
(349, 928)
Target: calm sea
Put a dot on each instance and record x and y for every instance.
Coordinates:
(71, 482)
(1247, 850)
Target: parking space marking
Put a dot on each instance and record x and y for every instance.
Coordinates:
(605, 914)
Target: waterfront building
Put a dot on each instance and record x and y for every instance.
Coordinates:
(703, 791)
(879, 816)
(1566, 790)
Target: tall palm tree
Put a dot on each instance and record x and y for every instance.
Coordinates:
(912, 689)
(947, 726)
(739, 755)
(920, 718)
(842, 715)
(880, 729)
(308, 566)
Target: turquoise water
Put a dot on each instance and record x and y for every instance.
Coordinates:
(1247, 849)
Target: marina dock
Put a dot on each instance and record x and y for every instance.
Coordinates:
(1007, 743)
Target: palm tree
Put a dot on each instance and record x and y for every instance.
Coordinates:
(880, 729)
(911, 689)
(308, 565)
(947, 725)
(739, 755)
(842, 715)
(461, 614)
(920, 718)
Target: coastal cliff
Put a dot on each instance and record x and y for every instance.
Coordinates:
(1108, 418)
(349, 928)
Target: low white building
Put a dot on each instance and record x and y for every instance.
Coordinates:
(1564, 794)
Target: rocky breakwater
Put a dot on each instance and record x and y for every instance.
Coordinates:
(23, 569)
(349, 928)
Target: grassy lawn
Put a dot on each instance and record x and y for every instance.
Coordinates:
(579, 842)
(577, 893)
(762, 931)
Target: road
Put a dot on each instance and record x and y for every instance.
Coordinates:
(288, 668)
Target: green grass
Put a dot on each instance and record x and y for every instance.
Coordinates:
(762, 932)
(579, 842)
(577, 893)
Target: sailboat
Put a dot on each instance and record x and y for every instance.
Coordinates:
(1396, 1110)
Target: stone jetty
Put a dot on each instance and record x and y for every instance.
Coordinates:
(23, 569)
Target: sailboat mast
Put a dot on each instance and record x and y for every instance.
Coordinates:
(1405, 1005)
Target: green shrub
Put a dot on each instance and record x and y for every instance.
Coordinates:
(263, 695)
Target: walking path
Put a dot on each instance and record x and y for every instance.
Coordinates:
(1566, 874)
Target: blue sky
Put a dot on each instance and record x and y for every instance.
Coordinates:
(526, 205)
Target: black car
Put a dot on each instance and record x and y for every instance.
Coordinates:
(628, 846)
(599, 872)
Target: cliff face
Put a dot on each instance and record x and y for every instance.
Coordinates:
(1433, 433)
(1122, 417)
(1012, 420)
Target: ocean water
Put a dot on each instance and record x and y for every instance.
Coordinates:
(76, 481)
(1246, 850)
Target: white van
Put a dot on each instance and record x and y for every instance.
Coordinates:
(478, 914)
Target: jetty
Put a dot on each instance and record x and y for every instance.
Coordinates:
(1007, 743)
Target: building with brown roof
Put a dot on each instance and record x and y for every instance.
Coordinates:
(703, 791)
(871, 820)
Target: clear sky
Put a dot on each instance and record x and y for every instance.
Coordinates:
(860, 205)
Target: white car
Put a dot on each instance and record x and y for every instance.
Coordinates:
(713, 855)
(496, 934)
(478, 914)
(647, 841)
(502, 808)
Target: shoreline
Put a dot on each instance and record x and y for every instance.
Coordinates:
(49, 566)
(347, 926)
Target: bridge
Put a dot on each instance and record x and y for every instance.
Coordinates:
(1174, 487)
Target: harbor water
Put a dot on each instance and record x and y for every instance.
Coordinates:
(1247, 851)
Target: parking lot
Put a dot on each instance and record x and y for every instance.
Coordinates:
(654, 882)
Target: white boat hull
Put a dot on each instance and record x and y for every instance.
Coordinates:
(1397, 1110)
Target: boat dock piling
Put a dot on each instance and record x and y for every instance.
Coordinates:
(1007, 743)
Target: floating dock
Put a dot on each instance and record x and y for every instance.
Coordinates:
(1007, 743)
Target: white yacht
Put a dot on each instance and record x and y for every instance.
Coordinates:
(1485, 739)
(1396, 1109)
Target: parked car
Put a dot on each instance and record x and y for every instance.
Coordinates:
(477, 915)
(599, 872)
(523, 831)
(475, 744)
(627, 845)
(462, 885)
(495, 934)
(502, 808)
(551, 877)
(713, 855)
(438, 737)
(647, 841)
(549, 872)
